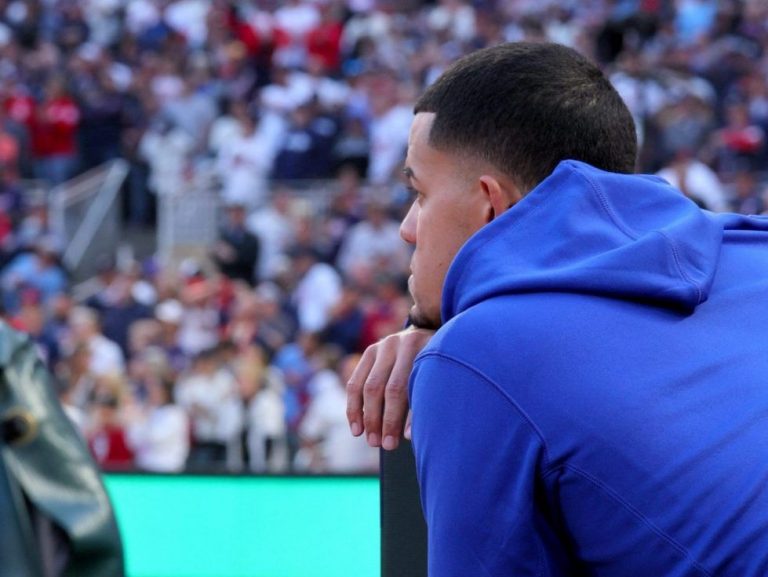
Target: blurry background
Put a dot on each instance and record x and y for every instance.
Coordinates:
(200, 203)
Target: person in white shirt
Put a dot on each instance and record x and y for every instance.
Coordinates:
(317, 291)
(263, 386)
(199, 325)
(209, 393)
(244, 162)
(167, 149)
(388, 129)
(696, 180)
(373, 244)
(327, 445)
(105, 355)
(159, 435)
(276, 231)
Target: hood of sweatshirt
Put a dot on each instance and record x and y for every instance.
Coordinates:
(583, 230)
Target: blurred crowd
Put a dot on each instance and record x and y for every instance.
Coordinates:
(237, 361)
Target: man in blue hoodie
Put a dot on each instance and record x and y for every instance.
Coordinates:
(595, 398)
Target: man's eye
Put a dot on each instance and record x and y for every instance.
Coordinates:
(413, 193)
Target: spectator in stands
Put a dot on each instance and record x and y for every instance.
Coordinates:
(194, 109)
(54, 133)
(74, 372)
(38, 269)
(295, 362)
(159, 433)
(57, 320)
(324, 39)
(237, 251)
(243, 318)
(273, 224)
(684, 123)
(226, 125)
(244, 160)
(168, 150)
(105, 356)
(749, 196)
(31, 320)
(345, 325)
(277, 319)
(107, 433)
(170, 313)
(19, 115)
(318, 289)
(353, 148)
(346, 208)
(102, 105)
(306, 151)
(327, 445)
(14, 144)
(385, 311)
(34, 225)
(209, 394)
(199, 325)
(740, 140)
(373, 245)
(313, 232)
(696, 180)
(390, 123)
(76, 414)
(263, 387)
(127, 309)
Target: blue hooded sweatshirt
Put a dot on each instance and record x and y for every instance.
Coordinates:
(596, 402)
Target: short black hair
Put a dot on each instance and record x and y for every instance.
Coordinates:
(525, 106)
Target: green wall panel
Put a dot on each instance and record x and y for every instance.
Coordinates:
(248, 526)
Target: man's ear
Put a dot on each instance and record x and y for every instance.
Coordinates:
(500, 193)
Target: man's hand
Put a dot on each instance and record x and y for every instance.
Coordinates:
(377, 391)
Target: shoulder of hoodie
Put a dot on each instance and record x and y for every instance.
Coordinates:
(525, 324)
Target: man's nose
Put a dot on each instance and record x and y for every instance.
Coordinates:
(408, 226)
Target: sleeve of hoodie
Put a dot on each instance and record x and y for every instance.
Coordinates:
(477, 458)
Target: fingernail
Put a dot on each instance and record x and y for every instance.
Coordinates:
(356, 430)
(374, 440)
(389, 443)
(407, 433)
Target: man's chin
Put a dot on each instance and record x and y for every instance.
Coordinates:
(422, 321)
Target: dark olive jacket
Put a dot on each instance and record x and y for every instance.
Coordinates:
(55, 517)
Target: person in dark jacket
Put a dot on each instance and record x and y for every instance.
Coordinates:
(237, 251)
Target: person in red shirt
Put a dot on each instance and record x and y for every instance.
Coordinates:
(108, 440)
(54, 134)
(324, 40)
(18, 104)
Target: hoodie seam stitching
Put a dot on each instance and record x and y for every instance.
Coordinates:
(634, 511)
(500, 391)
(606, 205)
(680, 269)
(632, 235)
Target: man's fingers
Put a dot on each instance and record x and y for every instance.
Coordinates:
(407, 433)
(377, 391)
(355, 391)
(374, 389)
(396, 394)
(395, 408)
